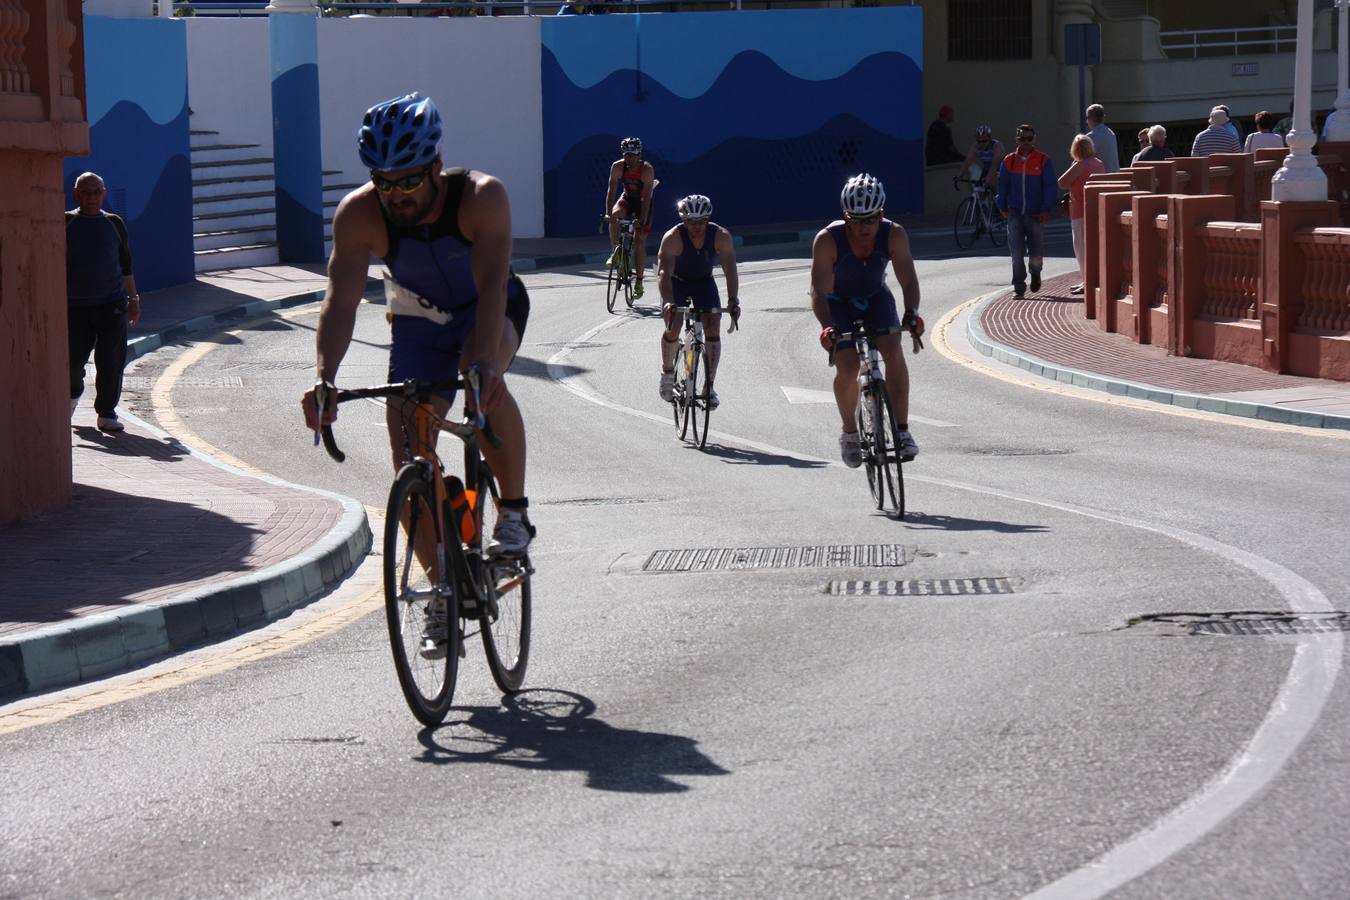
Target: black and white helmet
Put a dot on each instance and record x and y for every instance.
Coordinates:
(862, 195)
(695, 206)
(630, 145)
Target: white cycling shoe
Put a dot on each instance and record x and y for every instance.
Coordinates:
(850, 448)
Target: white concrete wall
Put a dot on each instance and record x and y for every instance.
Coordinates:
(483, 74)
(229, 79)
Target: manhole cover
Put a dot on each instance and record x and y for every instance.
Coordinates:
(940, 587)
(1245, 624)
(824, 556)
(1018, 451)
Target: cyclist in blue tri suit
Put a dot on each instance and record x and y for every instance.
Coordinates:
(986, 152)
(687, 256)
(848, 282)
(445, 236)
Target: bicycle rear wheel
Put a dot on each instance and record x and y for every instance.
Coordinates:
(967, 225)
(504, 586)
(410, 598)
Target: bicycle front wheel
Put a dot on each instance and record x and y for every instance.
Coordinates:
(504, 586)
(703, 407)
(887, 454)
(864, 415)
(967, 225)
(631, 268)
(998, 227)
(692, 400)
(612, 283)
(413, 607)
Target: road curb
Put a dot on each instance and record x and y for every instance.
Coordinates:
(1120, 387)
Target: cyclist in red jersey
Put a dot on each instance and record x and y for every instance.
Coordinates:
(637, 178)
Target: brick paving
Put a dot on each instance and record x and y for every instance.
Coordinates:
(1051, 325)
(148, 523)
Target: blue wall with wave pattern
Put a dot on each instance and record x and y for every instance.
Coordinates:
(766, 112)
(136, 72)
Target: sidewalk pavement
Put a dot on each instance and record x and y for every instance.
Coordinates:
(164, 548)
(1047, 334)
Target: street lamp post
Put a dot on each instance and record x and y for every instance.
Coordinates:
(1338, 129)
(1301, 179)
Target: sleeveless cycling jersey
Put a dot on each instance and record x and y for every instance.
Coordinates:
(435, 261)
(632, 178)
(985, 156)
(858, 278)
(693, 263)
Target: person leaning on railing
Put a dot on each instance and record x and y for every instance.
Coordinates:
(1217, 138)
(1086, 163)
(1157, 146)
(1264, 136)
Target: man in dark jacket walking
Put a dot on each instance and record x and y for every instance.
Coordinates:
(101, 298)
(1026, 194)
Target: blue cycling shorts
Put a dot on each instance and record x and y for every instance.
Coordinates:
(703, 293)
(877, 312)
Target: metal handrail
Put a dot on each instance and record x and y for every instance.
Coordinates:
(1276, 35)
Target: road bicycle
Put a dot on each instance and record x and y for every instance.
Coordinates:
(436, 567)
(976, 216)
(874, 419)
(688, 402)
(621, 273)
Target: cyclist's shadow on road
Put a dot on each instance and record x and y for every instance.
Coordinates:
(558, 731)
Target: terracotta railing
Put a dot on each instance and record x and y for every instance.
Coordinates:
(1326, 280)
(14, 25)
(1159, 299)
(1232, 272)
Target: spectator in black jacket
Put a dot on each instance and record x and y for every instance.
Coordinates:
(101, 298)
(941, 147)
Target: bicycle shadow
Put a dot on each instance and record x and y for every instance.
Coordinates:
(739, 456)
(557, 731)
(934, 522)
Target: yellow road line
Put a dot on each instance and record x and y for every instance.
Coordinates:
(1024, 379)
(98, 696)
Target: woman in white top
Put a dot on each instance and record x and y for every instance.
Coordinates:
(1263, 136)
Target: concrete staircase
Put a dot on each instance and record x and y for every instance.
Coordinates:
(234, 219)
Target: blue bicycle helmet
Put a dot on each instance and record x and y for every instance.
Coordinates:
(400, 134)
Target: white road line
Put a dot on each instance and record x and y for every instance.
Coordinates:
(1291, 718)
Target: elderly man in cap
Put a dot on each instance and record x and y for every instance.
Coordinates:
(1217, 138)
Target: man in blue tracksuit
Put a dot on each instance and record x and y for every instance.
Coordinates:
(1026, 194)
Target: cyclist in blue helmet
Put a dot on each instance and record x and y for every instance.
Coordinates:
(453, 301)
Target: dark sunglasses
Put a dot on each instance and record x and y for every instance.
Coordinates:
(1026, 139)
(873, 219)
(406, 185)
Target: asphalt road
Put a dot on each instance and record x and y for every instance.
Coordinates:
(746, 733)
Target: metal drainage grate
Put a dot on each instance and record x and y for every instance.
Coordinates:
(784, 309)
(941, 587)
(825, 556)
(601, 501)
(145, 382)
(272, 366)
(1248, 624)
(1017, 451)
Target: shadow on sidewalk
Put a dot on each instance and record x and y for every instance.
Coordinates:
(556, 731)
(110, 548)
(128, 444)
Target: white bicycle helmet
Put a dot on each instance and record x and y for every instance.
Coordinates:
(862, 195)
(695, 206)
(630, 145)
